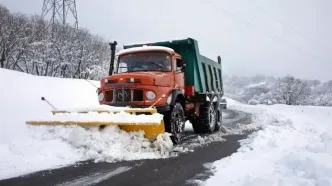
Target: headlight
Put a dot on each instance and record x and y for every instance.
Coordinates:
(101, 97)
(169, 99)
(150, 95)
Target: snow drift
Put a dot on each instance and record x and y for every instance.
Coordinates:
(294, 147)
(25, 149)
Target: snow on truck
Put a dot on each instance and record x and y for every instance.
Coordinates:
(168, 79)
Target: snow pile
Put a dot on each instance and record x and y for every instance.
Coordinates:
(25, 149)
(164, 143)
(111, 144)
(121, 117)
(210, 138)
(101, 108)
(294, 147)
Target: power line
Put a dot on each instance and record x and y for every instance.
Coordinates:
(253, 26)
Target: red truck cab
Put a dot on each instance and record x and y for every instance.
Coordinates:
(144, 76)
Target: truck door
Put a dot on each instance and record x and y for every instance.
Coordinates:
(178, 74)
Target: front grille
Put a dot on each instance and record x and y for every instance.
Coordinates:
(129, 95)
(109, 96)
(112, 81)
(138, 95)
(123, 96)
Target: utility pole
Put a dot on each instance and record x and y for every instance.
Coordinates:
(58, 11)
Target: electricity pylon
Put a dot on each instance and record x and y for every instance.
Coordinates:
(58, 11)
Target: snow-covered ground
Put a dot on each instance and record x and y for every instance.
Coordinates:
(25, 149)
(294, 147)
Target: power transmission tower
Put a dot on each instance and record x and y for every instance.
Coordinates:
(58, 11)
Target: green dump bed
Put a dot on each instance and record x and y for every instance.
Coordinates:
(201, 72)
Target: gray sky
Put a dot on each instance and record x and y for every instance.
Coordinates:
(275, 37)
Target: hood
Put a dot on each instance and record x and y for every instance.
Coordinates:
(142, 78)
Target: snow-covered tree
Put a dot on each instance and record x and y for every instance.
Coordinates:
(323, 94)
(269, 90)
(29, 44)
(292, 91)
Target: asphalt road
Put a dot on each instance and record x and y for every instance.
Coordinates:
(181, 170)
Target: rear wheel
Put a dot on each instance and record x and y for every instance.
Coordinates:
(174, 122)
(219, 119)
(207, 121)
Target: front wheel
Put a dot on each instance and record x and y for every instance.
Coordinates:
(175, 122)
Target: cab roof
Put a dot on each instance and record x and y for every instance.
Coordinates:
(145, 48)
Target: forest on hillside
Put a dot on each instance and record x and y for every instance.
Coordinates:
(270, 90)
(27, 44)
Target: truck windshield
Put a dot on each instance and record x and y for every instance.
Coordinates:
(147, 61)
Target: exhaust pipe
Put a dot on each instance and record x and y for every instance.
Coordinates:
(113, 48)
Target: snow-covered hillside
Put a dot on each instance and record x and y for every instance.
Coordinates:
(25, 149)
(294, 147)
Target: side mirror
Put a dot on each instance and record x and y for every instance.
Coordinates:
(184, 66)
(180, 65)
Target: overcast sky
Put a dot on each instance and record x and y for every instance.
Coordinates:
(274, 37)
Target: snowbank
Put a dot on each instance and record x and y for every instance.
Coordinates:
(25, 149)
(118, 118)
(294, 147)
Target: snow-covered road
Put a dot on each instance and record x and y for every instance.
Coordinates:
(180, 170)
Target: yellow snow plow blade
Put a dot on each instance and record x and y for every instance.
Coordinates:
(131, 120)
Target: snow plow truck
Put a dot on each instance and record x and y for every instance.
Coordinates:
(167, 78)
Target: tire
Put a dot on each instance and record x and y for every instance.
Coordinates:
(175, 122)
(219, 119)
(207, 121)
